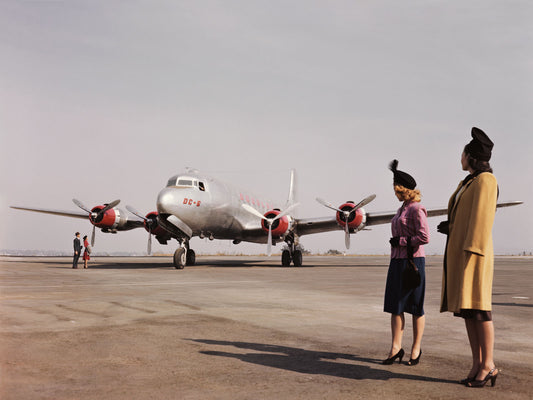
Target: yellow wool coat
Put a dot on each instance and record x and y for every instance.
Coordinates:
(469, 257)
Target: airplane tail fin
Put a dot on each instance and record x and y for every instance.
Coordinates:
(292, 189)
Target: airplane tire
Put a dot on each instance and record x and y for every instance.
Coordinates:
(286, 258)
(180, 258)
(191, 257)
(297, 258)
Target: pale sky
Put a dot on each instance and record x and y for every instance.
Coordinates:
(105, 100)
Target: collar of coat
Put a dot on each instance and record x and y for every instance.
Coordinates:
(461, 189)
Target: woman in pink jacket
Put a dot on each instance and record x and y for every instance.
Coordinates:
(409, 233)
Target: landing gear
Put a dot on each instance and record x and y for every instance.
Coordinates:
(180, 258)
(184, 256)
(191, 257)
(292, 253)
(297, 258)
(286, 258)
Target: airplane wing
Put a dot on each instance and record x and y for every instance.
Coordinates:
(125, 222)
(307, 226)
(72, 214)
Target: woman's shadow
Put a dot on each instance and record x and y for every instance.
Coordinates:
(311, 362)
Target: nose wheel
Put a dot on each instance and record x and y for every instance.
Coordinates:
(180, 258)
(184, 256)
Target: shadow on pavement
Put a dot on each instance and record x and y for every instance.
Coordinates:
(312, 362)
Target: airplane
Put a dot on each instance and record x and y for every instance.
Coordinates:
(194, 204)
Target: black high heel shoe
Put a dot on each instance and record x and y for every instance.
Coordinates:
(390, 360)
(490, 376)
(416, 360)
(467, 380)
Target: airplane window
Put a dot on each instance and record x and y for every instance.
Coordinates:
(171, 181)
(201, 186)
(185, 182)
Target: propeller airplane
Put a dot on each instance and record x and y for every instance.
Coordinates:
(193, 204)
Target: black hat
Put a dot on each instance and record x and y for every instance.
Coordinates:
(402, 178)
(480, 147)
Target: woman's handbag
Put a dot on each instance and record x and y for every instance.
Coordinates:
(411, 276)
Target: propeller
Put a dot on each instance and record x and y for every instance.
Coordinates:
(269, 221)
(108, 207)
(148, 223)
(347, 214)
(96, 217)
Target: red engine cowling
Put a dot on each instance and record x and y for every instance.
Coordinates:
(356, 219)
(154, 227)
(110, 219)
(279, 226)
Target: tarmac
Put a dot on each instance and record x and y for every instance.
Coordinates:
(242, 328)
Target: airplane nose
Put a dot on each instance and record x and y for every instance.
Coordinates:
(167, 201)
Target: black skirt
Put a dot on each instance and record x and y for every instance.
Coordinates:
(478, 315)
(397, 298)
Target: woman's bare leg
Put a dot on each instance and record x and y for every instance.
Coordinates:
(485, 334)
(397, 326)
(419, 323)
(475, 347)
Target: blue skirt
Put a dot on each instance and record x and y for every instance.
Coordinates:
(397, 298)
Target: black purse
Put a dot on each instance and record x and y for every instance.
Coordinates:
(411, 276)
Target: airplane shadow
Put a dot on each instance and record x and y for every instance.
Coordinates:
(236, 263)
(274, 263)
(67, 264)
(311, 362)
(166, 262)
(125, 265)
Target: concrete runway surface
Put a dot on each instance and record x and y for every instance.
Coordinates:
(242, 328)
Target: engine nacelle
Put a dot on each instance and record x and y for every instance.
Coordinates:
(356, 220)
(279, 226)
(151, 224)
(112, 219)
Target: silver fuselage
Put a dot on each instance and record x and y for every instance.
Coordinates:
(212, 208)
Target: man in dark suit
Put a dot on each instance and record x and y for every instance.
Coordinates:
(77, 250)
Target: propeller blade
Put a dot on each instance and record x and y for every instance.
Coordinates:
(328, 205)
(80, 205)
(109, 207)
(364, 202)
(135, 212)
(149, 249)
(347, 237)
(286, 211)
(93, 235)
(253, 211)
(269, 242)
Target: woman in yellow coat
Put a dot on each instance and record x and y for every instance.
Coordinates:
(469, 259)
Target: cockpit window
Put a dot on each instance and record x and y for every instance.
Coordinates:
(171, 182)
(185, 182)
